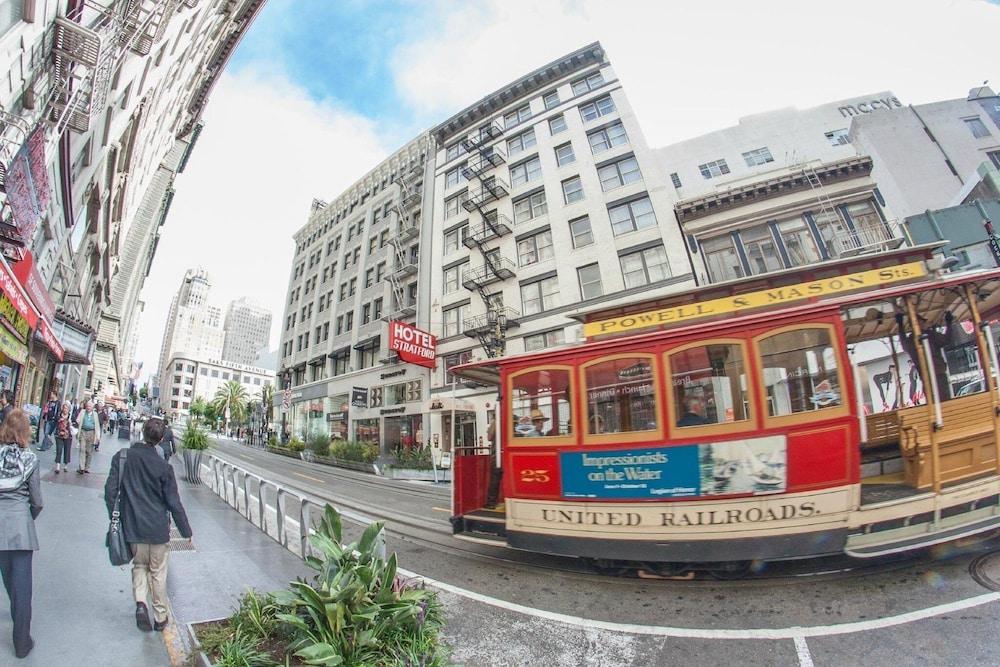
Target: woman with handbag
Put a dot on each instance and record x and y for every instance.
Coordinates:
(64, 437)
(20, 504)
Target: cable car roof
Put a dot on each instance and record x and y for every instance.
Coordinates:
(866, 315)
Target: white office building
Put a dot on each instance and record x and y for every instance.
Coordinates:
(248, 331)
(186, 378)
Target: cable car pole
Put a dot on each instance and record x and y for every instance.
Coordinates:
(930, 390)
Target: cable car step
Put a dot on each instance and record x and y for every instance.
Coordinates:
(483, 522)
(918, 536)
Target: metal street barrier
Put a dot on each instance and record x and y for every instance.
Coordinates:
(226, 476)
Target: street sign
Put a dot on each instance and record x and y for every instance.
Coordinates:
(286, 399)
(359, 397)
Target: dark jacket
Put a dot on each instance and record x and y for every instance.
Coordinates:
(167, 442)
(149, 494)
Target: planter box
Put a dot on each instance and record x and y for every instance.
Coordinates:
(369, 468)
(283, 452)
(444, 475)
(201, 658)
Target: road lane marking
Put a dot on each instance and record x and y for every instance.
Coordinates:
(796, 632)
(321, 481)
(802, 649)
(442, 509)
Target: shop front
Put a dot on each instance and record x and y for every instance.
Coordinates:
(404, 432)
(367, 430)
(77, 342)
(18, 318)
(337, 416)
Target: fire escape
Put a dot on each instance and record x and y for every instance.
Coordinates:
(84, 56)
(404, 229)
(490, 328)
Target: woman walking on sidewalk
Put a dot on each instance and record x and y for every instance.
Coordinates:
(90, 431)
(64, 436)
(20, 504)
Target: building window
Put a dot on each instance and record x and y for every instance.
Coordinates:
(521, 143)
(675, 179)
(832, 230)
(564, 154)
(453, 206)
(366, 313)
(204, 372)
(368, 356)
(340, 362)
(452, 360)
(994, 157)
(215, 373)
(597, 109)
(621, 396)
(454, 177)
(551, 100)
(530, 207)
(714, 169)
(454, 151)
(798, 241)
(453, 239)
(619, 173)
(376, 312)
(369, 277)
(540, 296)
(761, 250)
(757, 157)
(572, 190)
(632, 216)
(453, 320)
(721, 257)
(645, 266)
(838, 137)
(581, 232)
(526, 172)
(607, 137)
(977, 127)
(544, 340)
(590, 281)
(516, 117)
(178, 367)
(349, 321)
(587, 84)
(557, 124)
(352, 287)
(535, 248)
(452, 277)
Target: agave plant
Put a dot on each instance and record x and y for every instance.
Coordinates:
(356, 610)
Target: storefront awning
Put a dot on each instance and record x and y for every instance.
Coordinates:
(318, 361)
(367, 343)
(301, 366)
(342, 352)
(76, 338)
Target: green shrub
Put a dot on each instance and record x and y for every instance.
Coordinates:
(296, 445)
(272, 440)
(418, 458)
(241, 651)
(319, 444)
(356, 611)
(194, 438)
(359, 452)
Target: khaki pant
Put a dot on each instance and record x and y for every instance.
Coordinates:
(149, 575)
(87, 440)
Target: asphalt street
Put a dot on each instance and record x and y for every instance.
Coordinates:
(539, 610)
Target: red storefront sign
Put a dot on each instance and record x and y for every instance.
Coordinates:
(12, 289)
(27, 274)
(412, 344)
(47, 336)
(27, 183)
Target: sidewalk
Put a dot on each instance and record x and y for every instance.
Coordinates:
(82, 606)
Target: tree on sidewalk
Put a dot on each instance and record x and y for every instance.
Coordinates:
(231, 402)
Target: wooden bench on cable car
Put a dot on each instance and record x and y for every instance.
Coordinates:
(966, 446)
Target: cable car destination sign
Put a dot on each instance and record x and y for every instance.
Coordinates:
(738, 303)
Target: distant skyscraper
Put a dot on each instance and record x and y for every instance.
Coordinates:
(194, 328)
(248, 331)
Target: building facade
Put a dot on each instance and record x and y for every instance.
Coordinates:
(98, 93)
(780, 190)
(360, 261)
(924, 154)
(194, 326)
(187, 378)
(248, 332)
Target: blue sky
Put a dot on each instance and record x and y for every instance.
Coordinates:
(339, 51)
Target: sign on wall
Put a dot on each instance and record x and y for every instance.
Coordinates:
(27, 184)
(359, 397)
(413, 345)
(756, 466)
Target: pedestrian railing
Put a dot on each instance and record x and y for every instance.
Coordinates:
(228, 478)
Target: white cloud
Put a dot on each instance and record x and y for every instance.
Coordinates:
(266, 151)
(691, 66)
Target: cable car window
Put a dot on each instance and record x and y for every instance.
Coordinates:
(800, 372)
(621, 396)
(540, 403)
(709, 385)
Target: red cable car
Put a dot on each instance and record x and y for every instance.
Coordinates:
(751, 420)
